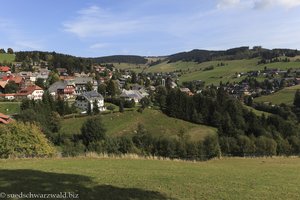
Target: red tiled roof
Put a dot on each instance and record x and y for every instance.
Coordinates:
(4, 68)
(7, 78)
(3, 84)
(4, 95)
(17, 79)
(5, 119)
(28, 90)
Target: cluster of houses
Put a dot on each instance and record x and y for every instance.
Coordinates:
(80, 86)
(275, 79)
(25, 83)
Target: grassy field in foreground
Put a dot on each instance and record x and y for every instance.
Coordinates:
(91, 178)
(7, 57)
(285, 95)
(153, 120)
(9, 107)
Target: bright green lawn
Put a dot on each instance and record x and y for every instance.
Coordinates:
(7, 57)
(153, 120)
(128, 179)
(9, 107)
(285, 95)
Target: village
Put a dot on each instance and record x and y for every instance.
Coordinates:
(104, 81)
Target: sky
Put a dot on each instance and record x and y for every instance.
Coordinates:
(92, 28)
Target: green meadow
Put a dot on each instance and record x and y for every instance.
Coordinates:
(285, 96)
(9, 108)
(154, 121)
(7, 58)
(129, 178)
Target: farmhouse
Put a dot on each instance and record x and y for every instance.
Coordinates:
(32, 92)
(135, 95)
(64, 89)
(86, 100)
(81, 84)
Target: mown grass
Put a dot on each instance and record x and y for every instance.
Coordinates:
(10, 107)
(107, 178)
(7, 58)
(154, 121)
(285, 96)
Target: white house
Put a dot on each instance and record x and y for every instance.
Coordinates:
(135, 95)
(86, 99)
(31, 92)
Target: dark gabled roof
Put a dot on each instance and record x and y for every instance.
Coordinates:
(92, 95)
(83, 80)
(57, 85)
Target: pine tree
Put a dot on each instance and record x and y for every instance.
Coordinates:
(297, 99)
(121, 107)
(95, 108)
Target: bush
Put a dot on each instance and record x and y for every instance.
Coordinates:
(23, 140)
(92, 131)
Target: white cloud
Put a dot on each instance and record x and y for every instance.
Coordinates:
(98, 45)
(227, 3)
(258, 4)
(95, 21)
(281, 3)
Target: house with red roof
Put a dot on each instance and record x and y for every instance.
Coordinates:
(4, 69)
(2, 86)
(32, 92)
(19, 80)
(4, 119)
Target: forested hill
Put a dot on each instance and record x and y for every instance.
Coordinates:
(80, 63)
(121, 59)
(73, 63)
(231, 54)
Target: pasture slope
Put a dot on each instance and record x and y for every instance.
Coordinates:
(154, 121)
(285, 96)
(115, 178)
(8, 58)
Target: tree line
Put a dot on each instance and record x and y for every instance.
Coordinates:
(244, 52)
(240, 131)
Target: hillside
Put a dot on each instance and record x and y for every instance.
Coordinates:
(200, 71)
(121, 59)
(285, 96)
(91, 178)
(153, 120)
(8, 58)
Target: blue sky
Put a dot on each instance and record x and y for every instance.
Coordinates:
(147, 27)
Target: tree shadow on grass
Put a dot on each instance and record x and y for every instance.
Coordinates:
(39, 182)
